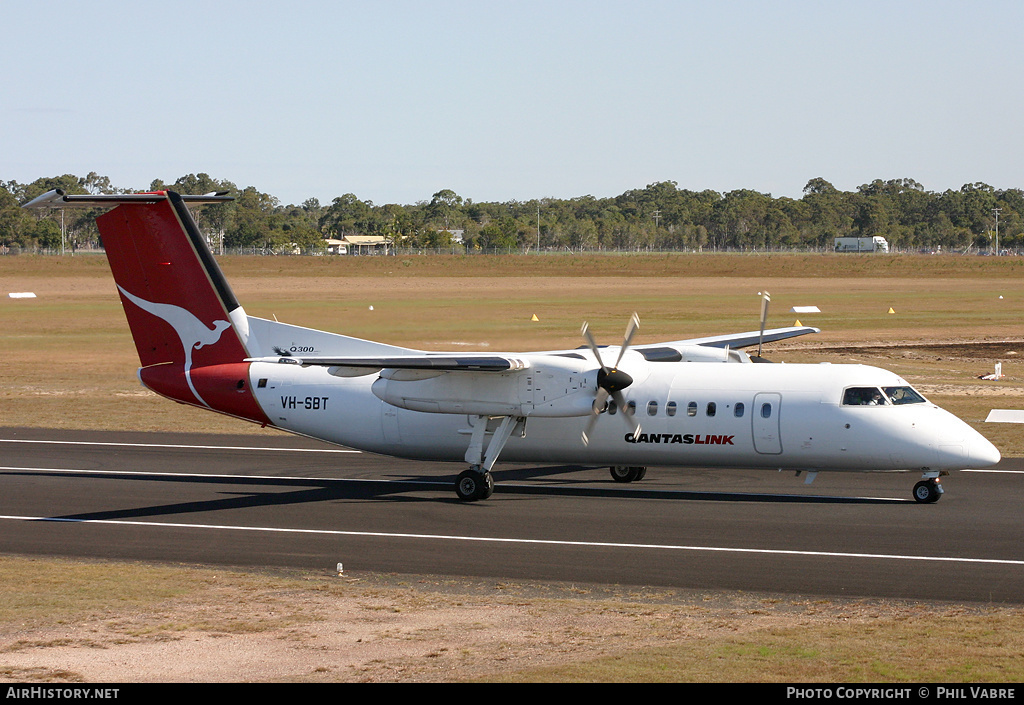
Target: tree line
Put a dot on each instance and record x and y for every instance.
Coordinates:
(660, 216)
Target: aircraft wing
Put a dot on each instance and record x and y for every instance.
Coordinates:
(744, 340)
(440, 362)
(453, 362)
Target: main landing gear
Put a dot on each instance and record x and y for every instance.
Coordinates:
(477, 483)
(623, 473)
(474, 484)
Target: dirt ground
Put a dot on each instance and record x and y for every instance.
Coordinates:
(420, 629)
(363, 633)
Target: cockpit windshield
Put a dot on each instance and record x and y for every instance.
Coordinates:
(863, 396)
(903, 395)
(874, 396)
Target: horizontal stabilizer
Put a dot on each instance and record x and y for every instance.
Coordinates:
(59, 199)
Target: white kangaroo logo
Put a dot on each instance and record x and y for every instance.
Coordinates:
(194, 333)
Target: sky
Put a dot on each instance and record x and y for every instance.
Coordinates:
(395, 100)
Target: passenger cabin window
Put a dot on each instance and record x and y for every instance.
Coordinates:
(711, 408)
(631, 405)
(691, 409)
(738, 409)
(766, 411)
(864, 396)
(670, 409)
(652, 408)
(612, 407)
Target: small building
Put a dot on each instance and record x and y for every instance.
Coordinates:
(367, 244)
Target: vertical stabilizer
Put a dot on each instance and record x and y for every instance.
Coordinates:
(180, 309)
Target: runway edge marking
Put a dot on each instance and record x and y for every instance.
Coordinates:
(172, 445)
(538, 542)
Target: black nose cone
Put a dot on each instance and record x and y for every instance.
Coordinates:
(613, 380)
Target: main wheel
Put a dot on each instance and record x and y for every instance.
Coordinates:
(623, 473)
(472, 485)
(927, 491)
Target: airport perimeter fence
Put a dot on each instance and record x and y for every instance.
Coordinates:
(14, 250)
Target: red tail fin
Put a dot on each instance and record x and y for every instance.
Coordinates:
(178, 305)
(170, 298)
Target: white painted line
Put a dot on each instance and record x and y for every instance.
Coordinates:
(147, 473)
(536, 542)
(171, 445)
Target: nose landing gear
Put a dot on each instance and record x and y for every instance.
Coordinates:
(928, 491)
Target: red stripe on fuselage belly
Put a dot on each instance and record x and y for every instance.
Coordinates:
(224, 388)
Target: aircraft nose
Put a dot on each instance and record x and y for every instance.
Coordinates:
(982, 453)
(960, 446)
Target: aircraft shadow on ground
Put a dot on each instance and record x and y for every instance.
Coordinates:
(574, 484)
(513, 482)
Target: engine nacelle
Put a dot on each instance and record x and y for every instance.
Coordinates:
(701, 353)
(552, 386)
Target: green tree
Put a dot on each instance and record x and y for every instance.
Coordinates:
(445, 209)
(251, 225)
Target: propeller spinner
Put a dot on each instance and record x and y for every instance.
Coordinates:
(611, 382)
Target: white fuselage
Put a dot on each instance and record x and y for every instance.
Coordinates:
(690, 414)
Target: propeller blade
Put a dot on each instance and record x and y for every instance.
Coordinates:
(599, 404)
(627, 415)
(634, 324)
(592, 344)
(765, 299)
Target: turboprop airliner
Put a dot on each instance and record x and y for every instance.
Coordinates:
(698, 402)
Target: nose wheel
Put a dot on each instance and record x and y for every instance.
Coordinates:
(928, 491)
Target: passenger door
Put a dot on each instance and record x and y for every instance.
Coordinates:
(765, 417)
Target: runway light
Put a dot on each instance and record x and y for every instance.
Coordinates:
(341, 570)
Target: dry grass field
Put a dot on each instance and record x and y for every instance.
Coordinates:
(70, 363)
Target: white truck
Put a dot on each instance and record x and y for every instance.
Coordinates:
(862, 244)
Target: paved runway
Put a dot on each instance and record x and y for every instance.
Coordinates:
(286, 501)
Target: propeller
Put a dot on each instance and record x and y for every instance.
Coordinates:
(611, 382)
(765, 300)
